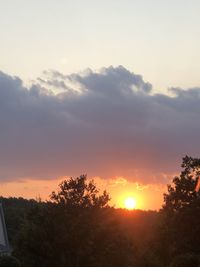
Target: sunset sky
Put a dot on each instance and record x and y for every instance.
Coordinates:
(106, 88)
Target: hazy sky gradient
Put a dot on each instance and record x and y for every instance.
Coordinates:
(158, 38)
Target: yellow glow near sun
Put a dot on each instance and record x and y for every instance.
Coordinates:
(130, 203)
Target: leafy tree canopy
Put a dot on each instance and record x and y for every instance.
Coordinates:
(182, 194)
(75, 229)
(180, 228)
(77, 192)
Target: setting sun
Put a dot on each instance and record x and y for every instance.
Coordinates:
(130, 203)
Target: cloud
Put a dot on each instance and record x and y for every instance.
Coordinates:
(107, 123)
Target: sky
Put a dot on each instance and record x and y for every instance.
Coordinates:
(107, 88)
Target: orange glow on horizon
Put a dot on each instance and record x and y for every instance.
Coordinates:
(147, 197)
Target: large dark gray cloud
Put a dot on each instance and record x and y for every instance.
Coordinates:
(107, 123)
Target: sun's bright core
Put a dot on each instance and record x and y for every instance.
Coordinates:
(130, 203)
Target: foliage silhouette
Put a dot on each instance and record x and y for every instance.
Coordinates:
(180, 229)
(77, 192)
(76, 228)
(182, 193)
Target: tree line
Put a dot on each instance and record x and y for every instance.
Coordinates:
(77, 227)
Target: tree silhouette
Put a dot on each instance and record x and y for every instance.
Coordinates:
(76, 228)
(182, 194)
(77, 192)
(181, 211)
